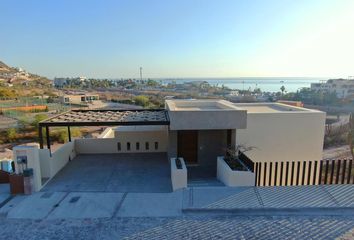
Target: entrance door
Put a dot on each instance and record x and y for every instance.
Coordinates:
(187, 146)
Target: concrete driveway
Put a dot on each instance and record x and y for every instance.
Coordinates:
(124, 172)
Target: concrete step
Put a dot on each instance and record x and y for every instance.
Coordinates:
(204, 183)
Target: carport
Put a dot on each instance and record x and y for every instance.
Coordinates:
(110, 172)
(121, 172)
(102, 117)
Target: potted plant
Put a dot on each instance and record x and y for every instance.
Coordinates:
(232, 157)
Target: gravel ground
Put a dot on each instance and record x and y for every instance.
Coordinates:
(188, 227)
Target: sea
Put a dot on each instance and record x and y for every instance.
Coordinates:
(266, 84)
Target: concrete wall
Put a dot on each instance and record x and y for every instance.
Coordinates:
(30, 153)
(285, 136)
(205, 114)
(178, 176)
(211, 143)
(61, 157)
(51, 165)
(44, 161)
(172, 144)
(107, 133)
(110, 145)
(233, 178)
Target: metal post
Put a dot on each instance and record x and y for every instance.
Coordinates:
(47, 134)
(69, 134)
(40, 135)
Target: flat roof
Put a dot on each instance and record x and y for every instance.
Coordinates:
(200, 105)
(271, 108)
(109, 117)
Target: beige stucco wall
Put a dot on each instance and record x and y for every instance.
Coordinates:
(211, 143)
(205, 115)
(110, 145)
(284, 136)
(52, 164)
(201, 120)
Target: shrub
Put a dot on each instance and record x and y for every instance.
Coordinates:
(142, 100)
(38, 118)
(11, 134)
(62, 134)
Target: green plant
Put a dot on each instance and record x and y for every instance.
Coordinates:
(61, 135)
(232, 157)
(142, 100)
(38, 118)
(11, 134)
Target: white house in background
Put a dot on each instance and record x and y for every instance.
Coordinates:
(343, 88)
(78, 98)
(198, 132)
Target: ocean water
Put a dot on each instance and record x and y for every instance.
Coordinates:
(265, 84)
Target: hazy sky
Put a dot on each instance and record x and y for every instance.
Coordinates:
(180, 38)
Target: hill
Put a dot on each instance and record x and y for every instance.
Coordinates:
(18, 76)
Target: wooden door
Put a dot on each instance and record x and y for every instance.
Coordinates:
(187, 146)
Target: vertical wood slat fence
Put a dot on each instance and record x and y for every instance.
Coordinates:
(327, 171)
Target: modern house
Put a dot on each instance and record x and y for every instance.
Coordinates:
(343, 88)
(78, 98)
(198, 133)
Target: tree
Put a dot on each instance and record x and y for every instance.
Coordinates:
(282, 89)
(38, 118)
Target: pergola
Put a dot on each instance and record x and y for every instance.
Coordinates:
(106, 117)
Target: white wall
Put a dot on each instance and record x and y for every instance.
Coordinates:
(178, 176)
(110, 145)
(285, 136)
(205, 115)
(233, 178)
(107, 133)
(44, 161)
(51, 165)
(32, 156)
(61, 157)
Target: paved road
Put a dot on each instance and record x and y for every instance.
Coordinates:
(206, 227)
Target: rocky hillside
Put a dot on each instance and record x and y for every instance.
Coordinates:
(4, 68)
(18, 76)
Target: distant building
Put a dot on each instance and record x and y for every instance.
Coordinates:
(343, 88)
(78, 99)
(61, 82)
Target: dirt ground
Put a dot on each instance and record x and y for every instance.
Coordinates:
(337, 152)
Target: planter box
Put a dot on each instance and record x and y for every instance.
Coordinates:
(233, 178)
(4, 177)
(178, 176)
(16, 184)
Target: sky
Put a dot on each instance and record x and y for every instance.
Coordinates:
(180, 38)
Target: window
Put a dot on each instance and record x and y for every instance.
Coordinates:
(137, 146)
(128, 146)
(119, 146)
(147, 146)
(156, 145)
